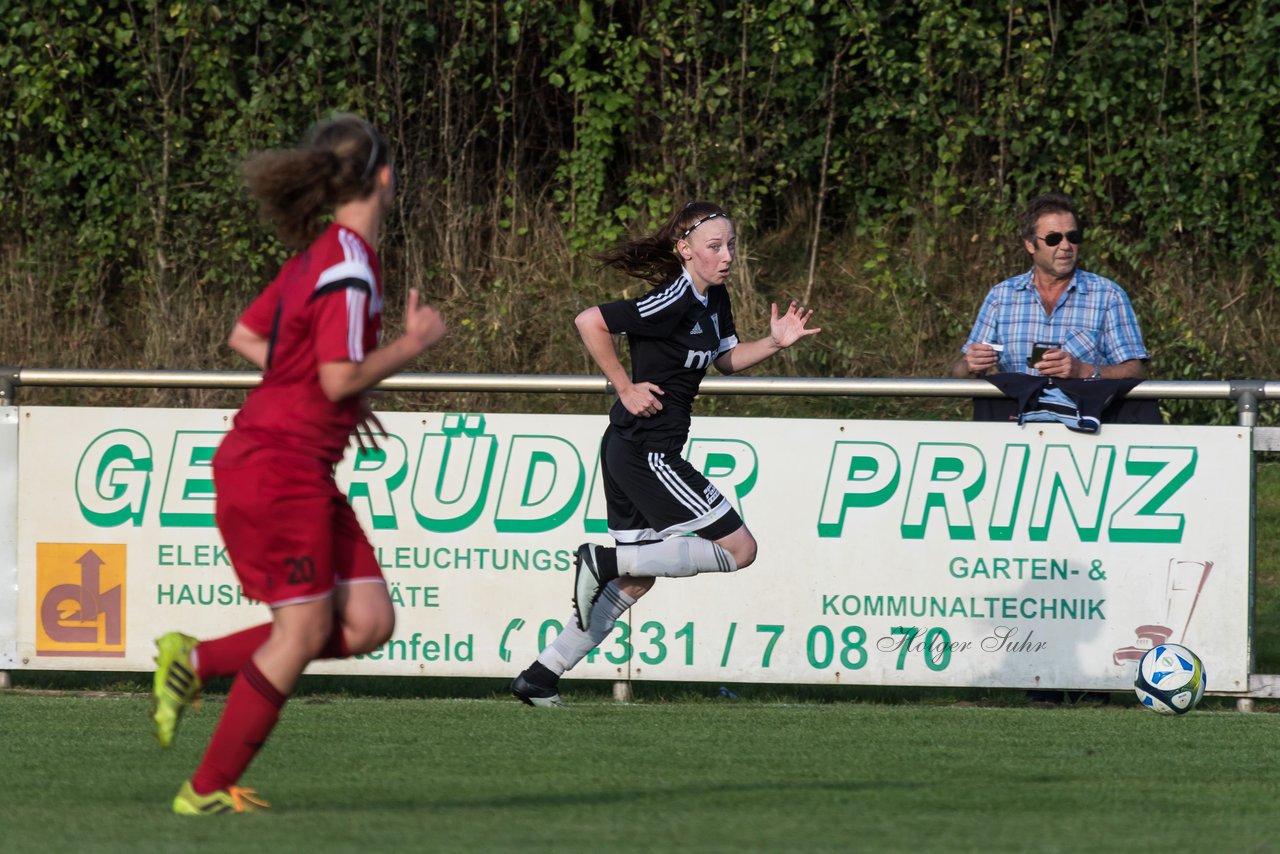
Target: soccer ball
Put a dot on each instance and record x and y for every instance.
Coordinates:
(1171, 679)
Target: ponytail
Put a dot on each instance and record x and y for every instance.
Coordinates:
(297, 187)
(653, 258)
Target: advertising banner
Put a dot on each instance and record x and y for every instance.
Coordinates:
(890, 552)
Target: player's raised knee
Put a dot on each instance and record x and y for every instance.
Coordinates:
(741, 546)
(744, 554)
(370, 631)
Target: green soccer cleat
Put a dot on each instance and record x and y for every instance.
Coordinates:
(176, 684)
(222, 802)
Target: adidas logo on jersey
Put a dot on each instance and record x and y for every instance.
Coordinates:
(696, 330)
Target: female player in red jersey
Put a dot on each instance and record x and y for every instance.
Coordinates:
(290, 533)
(654, 497)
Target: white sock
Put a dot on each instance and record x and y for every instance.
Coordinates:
(677, 557)
(573, 644)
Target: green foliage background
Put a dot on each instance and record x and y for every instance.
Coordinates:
(874, 153)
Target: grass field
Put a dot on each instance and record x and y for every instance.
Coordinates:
(398, 765)
(81, 773)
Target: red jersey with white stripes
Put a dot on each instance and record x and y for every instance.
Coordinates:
(324, 306)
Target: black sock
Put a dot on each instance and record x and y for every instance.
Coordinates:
(607, 564)
(540, 675)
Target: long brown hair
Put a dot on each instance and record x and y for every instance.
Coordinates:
(653, 258)
(296, 187)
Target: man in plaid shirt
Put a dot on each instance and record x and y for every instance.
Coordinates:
(1084, 323)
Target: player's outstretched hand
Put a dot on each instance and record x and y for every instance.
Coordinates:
(422, 322)
(790, 328)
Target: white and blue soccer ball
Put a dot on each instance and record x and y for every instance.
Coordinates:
(1171, 679)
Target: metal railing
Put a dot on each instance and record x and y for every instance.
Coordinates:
(1248, 394)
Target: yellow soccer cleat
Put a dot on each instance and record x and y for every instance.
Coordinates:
(222, 802)
(176, 684)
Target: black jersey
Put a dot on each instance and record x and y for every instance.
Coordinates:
(674, 336)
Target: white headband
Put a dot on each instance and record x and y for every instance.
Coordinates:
(690, 229)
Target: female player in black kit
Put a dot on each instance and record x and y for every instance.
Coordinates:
(676, 331)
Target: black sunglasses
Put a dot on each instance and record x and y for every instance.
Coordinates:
(1053, 238)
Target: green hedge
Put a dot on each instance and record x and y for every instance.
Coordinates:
(536, 129)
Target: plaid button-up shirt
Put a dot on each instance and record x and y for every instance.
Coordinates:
(1093, 321)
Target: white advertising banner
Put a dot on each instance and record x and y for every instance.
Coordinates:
(890, 553)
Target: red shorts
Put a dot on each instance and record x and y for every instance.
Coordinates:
(290, 533)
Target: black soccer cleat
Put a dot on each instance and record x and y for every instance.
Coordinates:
(532, 694)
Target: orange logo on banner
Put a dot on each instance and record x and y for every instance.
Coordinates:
(80, 599)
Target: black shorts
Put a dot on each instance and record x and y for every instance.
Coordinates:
(653, 494)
